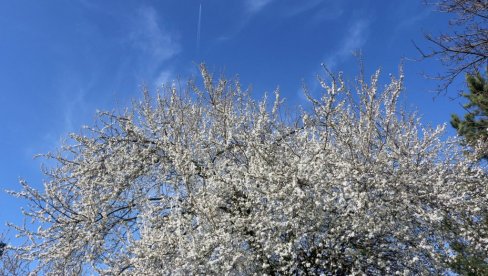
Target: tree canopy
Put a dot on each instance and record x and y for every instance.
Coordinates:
(208, 180)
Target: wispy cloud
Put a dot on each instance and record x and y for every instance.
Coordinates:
(254, 6)
(73, 107)
(301, 7)
(355, 38)
(151, 38)
(410, 21)
(165, 77)
(73, 90)
(330, 12)
(157, 47)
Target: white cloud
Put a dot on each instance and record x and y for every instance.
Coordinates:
(301, 7)
(151, 38)
(412, 20)
(330, 12)
(355, 38)
(251, 8)
(406, 24)
(165, 77)
(73, 108)
(157, 46)
(254, 6)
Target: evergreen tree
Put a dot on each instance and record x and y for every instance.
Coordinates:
(474, 127)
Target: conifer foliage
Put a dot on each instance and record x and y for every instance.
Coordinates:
(208, 180)
(474, 126)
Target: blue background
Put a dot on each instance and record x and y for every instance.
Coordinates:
(60, 61)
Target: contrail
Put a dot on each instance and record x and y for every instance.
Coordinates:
(199, 27)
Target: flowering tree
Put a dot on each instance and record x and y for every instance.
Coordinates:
(10, 263)
(208, 180)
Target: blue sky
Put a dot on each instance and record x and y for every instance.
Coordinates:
(60, 61)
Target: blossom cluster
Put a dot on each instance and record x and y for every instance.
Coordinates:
(209, 180)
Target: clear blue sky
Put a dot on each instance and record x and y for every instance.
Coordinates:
(60, 61)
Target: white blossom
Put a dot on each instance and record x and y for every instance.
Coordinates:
(210, 181)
